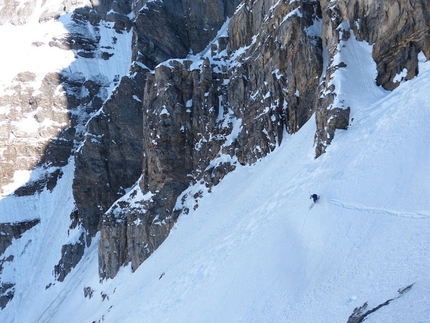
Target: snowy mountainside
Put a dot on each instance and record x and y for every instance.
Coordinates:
(117, 137)
(253, 251)
(55, 92)
(53, 81)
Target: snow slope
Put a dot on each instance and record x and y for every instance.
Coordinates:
(253, 251)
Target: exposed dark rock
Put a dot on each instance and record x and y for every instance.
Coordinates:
(49, 181)
(274, 89)
(10, 231)
(50, 148)
(111, 158)
(88, 292)
(70, 256)
(18, 153)
(67, 99)
(327, 122)
(3, 260)
(360, 314)
(7, 291)
(397, 29)
(173, 29)
(181, 114)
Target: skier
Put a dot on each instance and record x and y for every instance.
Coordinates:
(314, 197)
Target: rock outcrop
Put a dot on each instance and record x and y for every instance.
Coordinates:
(180, 110)
(361, 313)
(398, 31)
(181, 133)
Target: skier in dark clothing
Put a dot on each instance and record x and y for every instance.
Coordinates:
(314, 197)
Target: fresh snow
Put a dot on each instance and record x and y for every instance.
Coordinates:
(253, 251)
(358, 77)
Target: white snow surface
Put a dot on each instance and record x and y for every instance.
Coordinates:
(41, 59)
(253, 251)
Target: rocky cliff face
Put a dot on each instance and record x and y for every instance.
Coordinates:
(210, 84)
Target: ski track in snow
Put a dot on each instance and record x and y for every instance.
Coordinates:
(375, 210)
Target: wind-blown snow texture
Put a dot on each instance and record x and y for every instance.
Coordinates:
(253, 251)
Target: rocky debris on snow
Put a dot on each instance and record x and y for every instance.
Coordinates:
(88, 292)
(361, 313)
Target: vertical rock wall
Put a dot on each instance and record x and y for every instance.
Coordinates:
(182, 130)
(167, 153)
(273, 89)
